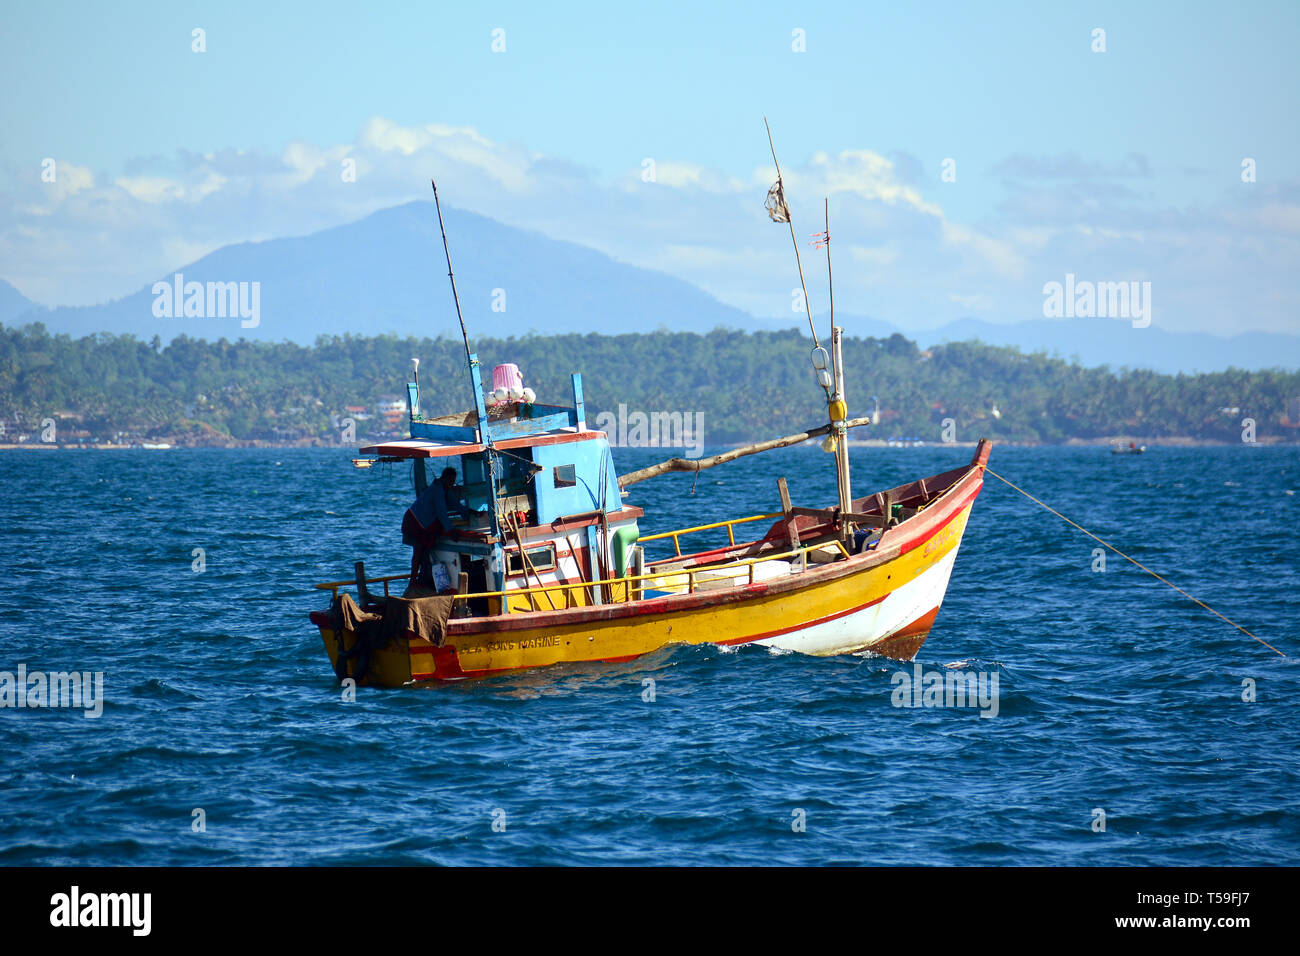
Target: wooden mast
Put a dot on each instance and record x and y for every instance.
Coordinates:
(838, 405)
(839, 429)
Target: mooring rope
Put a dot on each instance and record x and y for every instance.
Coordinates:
(1133, 560)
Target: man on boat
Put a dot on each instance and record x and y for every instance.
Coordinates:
(428, 520)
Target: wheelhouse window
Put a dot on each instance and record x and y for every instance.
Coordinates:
(566, 476)
(540, 559)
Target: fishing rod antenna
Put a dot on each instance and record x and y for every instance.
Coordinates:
(446, 249)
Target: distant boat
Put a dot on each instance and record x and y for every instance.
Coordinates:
(1132, 449)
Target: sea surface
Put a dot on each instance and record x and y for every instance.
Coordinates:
(224, 737)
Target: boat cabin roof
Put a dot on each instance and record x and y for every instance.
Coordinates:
(432, 448)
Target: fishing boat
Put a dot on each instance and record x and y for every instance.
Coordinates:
(567, 581)
(1133, 449)
(550, 565)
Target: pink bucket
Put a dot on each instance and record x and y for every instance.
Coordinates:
(507, 376)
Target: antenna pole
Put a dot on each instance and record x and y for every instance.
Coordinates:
(830, 282)
(463, 334)
(790, 222)
(485, 434)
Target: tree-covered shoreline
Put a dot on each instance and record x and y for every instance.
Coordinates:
(748, 385)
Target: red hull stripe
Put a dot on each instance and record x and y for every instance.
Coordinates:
(447, 661)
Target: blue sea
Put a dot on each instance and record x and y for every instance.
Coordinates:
(224, 737)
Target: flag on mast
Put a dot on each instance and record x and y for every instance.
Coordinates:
(776, 208)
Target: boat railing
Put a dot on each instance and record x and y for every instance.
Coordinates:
(729, 525)
(333, 586)
(670, 578)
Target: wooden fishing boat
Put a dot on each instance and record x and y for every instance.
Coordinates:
(551, 566)
(564, 577)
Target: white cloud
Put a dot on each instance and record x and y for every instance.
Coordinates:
(1280, 217)
(70, 179)
(160, 189)
(979, 301)
(863, 173)
(997, 254)
(691, 176)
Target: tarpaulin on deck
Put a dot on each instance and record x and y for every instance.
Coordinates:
(426, 616)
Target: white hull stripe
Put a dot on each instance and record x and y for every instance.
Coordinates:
(870, 625)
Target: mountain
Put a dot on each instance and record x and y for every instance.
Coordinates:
(13, 303)
(387, 273)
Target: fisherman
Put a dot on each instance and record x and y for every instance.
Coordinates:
(426, 521)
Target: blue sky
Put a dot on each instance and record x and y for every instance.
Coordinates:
(1117, 165)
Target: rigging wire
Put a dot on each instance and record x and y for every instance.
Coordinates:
(1134, 561)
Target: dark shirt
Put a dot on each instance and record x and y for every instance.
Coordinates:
(434, 504)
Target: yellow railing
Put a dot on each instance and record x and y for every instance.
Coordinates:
(729, 525)
(669, 574)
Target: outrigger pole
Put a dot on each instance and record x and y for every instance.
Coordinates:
(699, 464)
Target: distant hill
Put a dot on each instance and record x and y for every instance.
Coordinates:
(13, 303)
(387, 273)
(1096, 342)
(737, 386)
(1117, 344)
